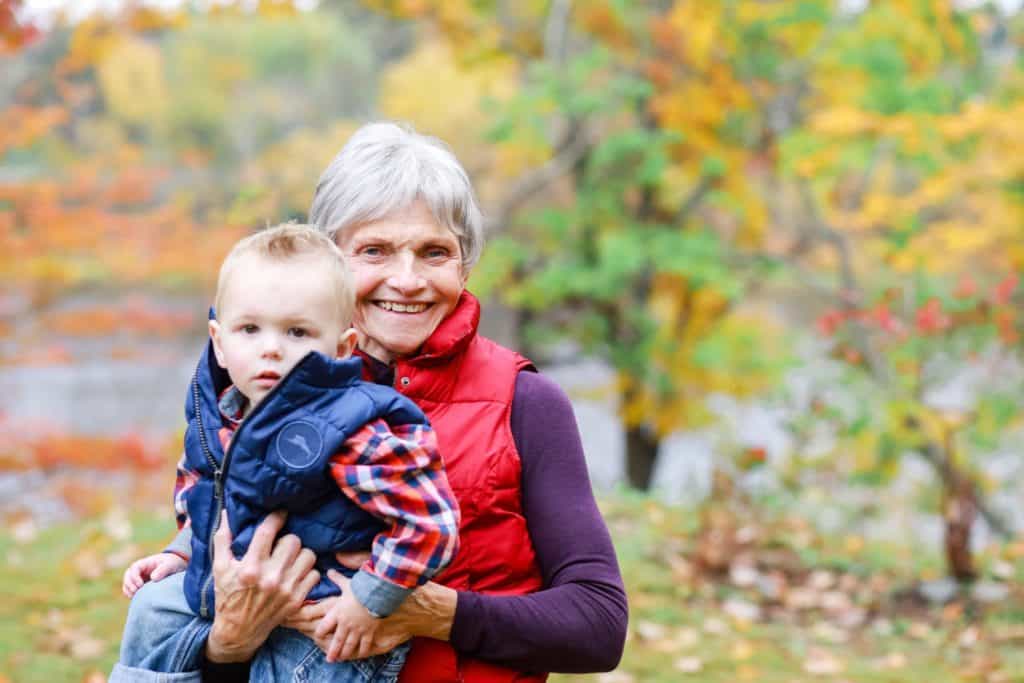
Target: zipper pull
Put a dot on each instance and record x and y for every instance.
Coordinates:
(218, 485)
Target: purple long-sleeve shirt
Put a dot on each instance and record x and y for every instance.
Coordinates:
(577, 622)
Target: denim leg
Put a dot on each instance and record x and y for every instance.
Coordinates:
(162, 639)
(289, 656)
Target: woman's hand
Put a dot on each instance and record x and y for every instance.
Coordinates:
(428, 612)
(255, 594)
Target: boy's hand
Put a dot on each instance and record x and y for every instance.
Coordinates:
(152, 568)
(353, 626)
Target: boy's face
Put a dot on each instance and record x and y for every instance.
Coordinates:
(274, 313)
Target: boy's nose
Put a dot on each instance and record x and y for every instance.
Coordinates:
(272, 347)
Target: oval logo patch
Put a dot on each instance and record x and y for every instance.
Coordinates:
(298, 444)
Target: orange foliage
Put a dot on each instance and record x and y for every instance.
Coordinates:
(38, 356)
(27, 446)
(135, 318)
(86, 451)
(14, 34)
(22, 126)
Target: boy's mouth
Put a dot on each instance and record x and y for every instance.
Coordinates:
(267, 376)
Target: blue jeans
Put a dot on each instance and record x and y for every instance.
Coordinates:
(163, 643)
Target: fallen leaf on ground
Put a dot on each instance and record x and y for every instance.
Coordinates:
(741, 610)
(688, 665)
(823, 663)
(893, 660)
(741, 650)
(615, 677)
(650, 630)
(715, 626)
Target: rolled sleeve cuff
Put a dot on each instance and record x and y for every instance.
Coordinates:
(181, 544)
(379, 596)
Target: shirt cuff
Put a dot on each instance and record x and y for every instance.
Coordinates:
(379, 596)
(181, 544)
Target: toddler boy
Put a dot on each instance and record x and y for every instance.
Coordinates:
(279, 419)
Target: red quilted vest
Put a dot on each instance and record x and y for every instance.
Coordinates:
(464, 383)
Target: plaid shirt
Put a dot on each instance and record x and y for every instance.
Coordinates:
(393, 472)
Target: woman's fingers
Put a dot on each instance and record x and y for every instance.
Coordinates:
(222, 544)
(313, 611)
(311, 579)
(263, 538)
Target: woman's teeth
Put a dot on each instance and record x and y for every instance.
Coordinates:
(401, 308)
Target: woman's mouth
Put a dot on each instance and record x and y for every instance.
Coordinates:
(398, 307)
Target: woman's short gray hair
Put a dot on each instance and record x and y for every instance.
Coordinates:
(383, 168)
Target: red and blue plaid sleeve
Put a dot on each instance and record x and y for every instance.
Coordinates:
(396, 474)
(184, 481)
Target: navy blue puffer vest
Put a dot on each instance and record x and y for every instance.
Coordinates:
(278, 459)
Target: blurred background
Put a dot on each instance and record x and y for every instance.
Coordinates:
(772, 249)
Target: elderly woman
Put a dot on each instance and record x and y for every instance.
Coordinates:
(535, 586)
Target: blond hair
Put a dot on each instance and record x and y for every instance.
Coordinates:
(286, 242)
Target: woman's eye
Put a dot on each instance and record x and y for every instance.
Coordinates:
(372, 251)
(436, 253)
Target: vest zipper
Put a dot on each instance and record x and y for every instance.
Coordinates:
(218, 491)
(220, 472)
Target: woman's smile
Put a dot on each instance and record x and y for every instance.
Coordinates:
(408, 277)
(399, 307)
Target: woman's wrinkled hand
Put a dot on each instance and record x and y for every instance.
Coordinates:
(428, 611)
(257, 593)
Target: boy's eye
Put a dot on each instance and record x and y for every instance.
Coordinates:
(250, 329)
(298, 332)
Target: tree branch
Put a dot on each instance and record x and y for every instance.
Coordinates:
(695, 197)
(556, 31)
(930, 452)
(575, 145)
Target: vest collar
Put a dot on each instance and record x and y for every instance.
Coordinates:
(450, 338)
(454, 333)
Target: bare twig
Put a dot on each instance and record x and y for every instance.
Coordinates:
(576, 144)
(556, 32)
(695, 197)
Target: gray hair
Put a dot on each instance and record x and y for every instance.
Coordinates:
(384, 167)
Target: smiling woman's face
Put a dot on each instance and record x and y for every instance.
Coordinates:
(408, 277)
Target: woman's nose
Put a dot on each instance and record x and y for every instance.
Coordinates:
(405, 276)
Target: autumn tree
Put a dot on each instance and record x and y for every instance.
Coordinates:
(129, 139)
(631, 162)
(902, 211)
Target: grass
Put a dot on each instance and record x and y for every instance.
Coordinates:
(61, 611)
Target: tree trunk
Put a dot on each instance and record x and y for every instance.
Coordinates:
(959, 512)
(641, 453)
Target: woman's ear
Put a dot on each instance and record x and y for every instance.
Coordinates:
(347, 343)
(215, 338)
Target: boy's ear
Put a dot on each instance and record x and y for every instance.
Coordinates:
(215, 338)
(347, 343)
